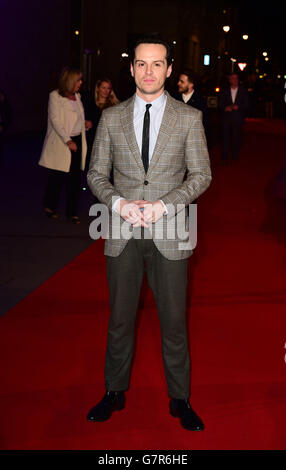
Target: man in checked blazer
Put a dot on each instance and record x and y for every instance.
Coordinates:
(160, 161)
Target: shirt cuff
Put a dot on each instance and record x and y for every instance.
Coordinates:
(165, 207)
(114, 207)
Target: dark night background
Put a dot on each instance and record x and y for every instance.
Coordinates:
(38, 38)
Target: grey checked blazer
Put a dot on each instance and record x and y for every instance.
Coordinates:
(178, 172)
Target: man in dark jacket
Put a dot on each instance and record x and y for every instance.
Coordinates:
(233, 104)
(188, 93)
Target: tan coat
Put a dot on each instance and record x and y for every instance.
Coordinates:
(61, 119)
(180, 149)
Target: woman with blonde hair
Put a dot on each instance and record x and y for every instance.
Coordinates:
(104, 97)
(104, 94)
(64, 150)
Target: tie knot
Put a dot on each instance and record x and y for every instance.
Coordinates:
(148, 106)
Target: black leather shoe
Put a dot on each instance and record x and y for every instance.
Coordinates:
(50, 213)
(112, 401)
(75, 219)
(183, 410)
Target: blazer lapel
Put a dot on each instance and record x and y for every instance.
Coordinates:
(229, 95)
(128, 128)
(237, 96)
(166, 129)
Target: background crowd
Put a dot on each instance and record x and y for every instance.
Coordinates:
(74, 113)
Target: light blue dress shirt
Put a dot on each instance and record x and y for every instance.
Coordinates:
(156, 114)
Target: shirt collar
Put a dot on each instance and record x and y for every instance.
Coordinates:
(187, 96)
(157, 103)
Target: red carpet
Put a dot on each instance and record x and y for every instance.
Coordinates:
(53, 342)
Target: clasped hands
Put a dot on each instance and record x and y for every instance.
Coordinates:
(141, 213)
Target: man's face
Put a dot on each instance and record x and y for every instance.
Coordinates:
(184, 86)
(150, 70)
(233, 80)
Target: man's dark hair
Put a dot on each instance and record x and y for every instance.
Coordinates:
(190, 74)
(152, 40)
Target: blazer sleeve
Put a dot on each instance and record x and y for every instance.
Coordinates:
(198, 167)
(100, 166)
(222, 100)
(243, 102)
(54, 116)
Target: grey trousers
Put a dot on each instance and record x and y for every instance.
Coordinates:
(168, 281)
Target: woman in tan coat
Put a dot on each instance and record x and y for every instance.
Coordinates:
(64, 149)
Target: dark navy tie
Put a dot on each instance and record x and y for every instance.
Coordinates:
(145, 138)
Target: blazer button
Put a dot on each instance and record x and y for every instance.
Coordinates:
(146, 182)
